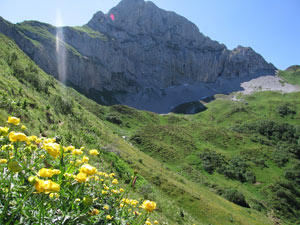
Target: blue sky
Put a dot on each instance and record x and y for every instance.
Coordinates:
(270, 27)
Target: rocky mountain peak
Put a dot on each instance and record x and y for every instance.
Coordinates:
(137, 54)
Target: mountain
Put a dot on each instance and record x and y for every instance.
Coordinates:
(138, 55)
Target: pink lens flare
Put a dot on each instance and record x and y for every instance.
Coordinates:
(112, 16)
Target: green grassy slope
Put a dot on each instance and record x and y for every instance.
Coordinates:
(291, 75)
(50, 109)
(251, 146)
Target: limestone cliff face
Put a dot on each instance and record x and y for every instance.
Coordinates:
(142, 47)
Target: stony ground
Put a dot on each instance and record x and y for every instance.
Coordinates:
(268, 83)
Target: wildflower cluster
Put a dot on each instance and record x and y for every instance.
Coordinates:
(43, 182)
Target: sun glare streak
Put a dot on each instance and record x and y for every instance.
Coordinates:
(60, 49)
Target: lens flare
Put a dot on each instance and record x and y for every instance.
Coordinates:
(60, 49)
(112, 17)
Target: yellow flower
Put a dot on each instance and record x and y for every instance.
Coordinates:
(156, 222)
(106, 207)
(105, 187)
(8, 147)
(115, 191)
(53, 195)
(148, 223)
(33, 179)
(45, 173)
(77, 152)
(149, 205)
(56, 171)
(13, 137)
(2, 161)
(85, 159)
(46, 186)
(23, 127)
(121, 190)
(112, 175)
(77, 199)
(115, 181)
(109, 217)
(104, 192)
(88, 169)
(32, 138)
(53, 149)
(13, 120)
(81, 177)
(4, 130)
(49, 140)
(69, 148)
(94, 212)
(133, 202)
(94, 152)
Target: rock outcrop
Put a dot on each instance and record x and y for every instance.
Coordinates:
(134, 48)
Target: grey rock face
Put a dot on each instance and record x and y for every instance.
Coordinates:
(143, 48)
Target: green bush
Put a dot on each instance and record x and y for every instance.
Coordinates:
(236, 197)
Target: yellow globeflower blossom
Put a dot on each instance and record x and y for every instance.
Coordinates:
(115, 181)
(46, 186)
(13, 137)
(77, 152)
(148, 222)
(81, 177)
(104, 192)
(133, 202)
(109, 217)
(53, 195)
(56, 171)
(2, 161)
(49, 140)
(85, 159)
(33, 179)
(88, 169)
(23, 127)
(115, 191)
(105, 187)
(94, 212)
(69, 148)
(13, 120)
(156, 222)
(52, 148)
(44, 172)
(112, 175)
(121, 190)
(106, 207)
(149, 205)
(8, 147)
(94, 152)
(32, 138)
(4, 130)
